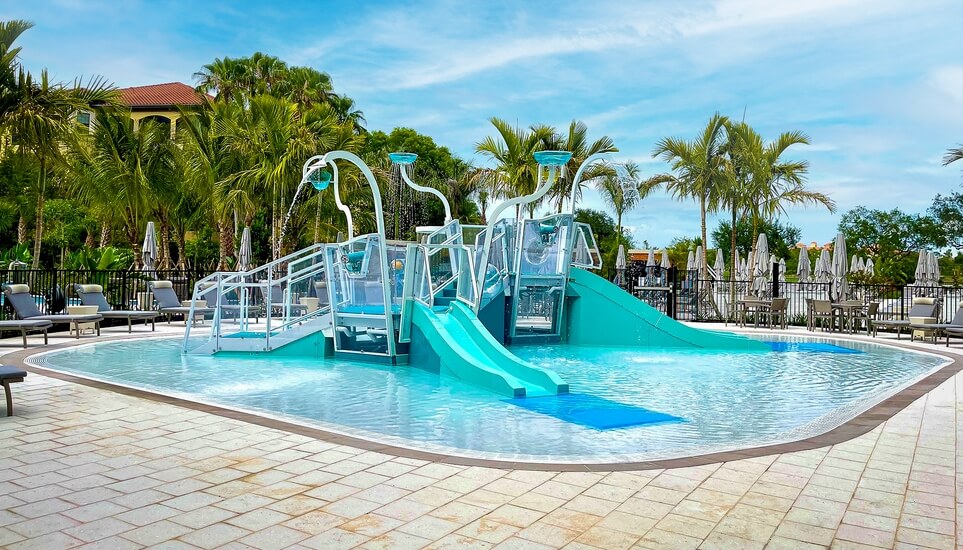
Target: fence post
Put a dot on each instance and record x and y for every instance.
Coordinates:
(902, 302)
(775, 280)
(672, 279)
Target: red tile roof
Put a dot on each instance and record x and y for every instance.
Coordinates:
(161, 95)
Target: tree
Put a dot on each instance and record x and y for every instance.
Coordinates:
(952, 155)
(761, 183)
(123, 168)
(607, 237)
(512, 150)
(622, 192)
(947, 213)
(893, 239)
(38, 114)
(576, 141)
(698, 166)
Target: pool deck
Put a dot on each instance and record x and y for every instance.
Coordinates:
(83, 466)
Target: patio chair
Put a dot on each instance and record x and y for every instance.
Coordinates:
(93, 295)
(922, 308)
(25, 305)
(868, 316)
(10, 375)
(25, 327)
(777, 310)
(823, 310)
(169, 304)
(939, 329)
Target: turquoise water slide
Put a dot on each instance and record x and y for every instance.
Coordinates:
(456, 343)
(602, 314)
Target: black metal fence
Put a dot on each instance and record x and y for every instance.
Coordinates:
(53, 289)
(682, 295)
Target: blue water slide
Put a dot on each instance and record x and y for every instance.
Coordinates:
(602, 314)
(457, 344)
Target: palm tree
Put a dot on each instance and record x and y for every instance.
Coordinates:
(208, 162)
(226, 77)
(347, 111)
(953, 155)
(623, 195)
(512, 151)
(577, 143)
(307, 86)
(40, 119)
(699, 167)
(123, 168)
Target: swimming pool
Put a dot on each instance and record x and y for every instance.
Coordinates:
(712, 400)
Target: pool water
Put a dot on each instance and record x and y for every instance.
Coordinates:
(710, 400)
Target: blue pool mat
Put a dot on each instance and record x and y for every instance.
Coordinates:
(593, 412)
(811, 347)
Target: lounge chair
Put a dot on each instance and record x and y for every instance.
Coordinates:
(26, 307)
(93, 295)
(24, 327)
(169, 304)
(228, 311)
(940, 329)
(276, 304)
(10, 375)
(922, 307)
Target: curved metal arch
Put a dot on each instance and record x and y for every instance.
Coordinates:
(332, 156)
(540, 190)
(578, 177)
(316, 163)
(424, 189)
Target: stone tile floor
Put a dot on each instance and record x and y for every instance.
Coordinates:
(87, 468)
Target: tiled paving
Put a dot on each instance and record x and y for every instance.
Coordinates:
(82, 467)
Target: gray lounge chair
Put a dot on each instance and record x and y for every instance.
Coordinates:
(26, 307)
(10, 375)
(169, 304)
(940, 329)
(922, 307)
(93, 295)
(277, 302)
(228, 310)
(24, 327)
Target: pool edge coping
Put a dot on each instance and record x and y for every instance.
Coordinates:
(858, 425)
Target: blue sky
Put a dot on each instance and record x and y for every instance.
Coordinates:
(877, 84)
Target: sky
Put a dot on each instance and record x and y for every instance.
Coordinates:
(877, 85)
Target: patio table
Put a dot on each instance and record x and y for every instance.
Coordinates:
(846, 312)
(753, 304)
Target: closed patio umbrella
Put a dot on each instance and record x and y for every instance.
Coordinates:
(664, 264)
(700, 258)
(921, 264)
(839, 268)
(620, 266)
(720, 266)
(823, 272)
(782, 269)
(761, 266)
(854, 264)
(690, 261)
(860, 266)
(934, 269)
(804, 269)
(244, 251)
(149, 249)
(869, 268)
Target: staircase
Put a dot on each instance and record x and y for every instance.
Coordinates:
(260, 310)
